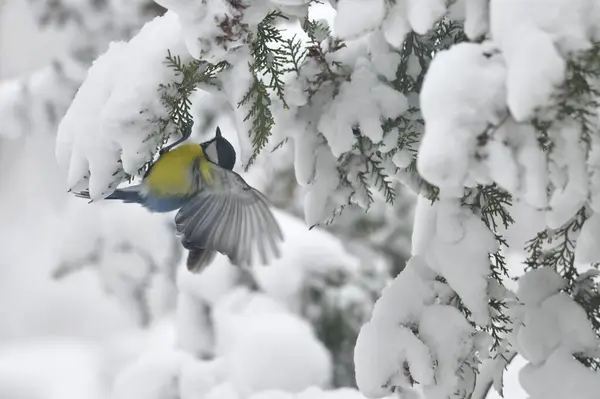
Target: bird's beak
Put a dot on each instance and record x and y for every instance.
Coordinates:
(218, 131)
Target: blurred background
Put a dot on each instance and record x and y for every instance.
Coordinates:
(92, 293)
(95, 300)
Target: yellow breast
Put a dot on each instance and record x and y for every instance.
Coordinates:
(170, 175)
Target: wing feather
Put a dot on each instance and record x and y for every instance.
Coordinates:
(232, 218)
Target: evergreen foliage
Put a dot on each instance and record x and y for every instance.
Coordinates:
(175, 95)
(273, 57)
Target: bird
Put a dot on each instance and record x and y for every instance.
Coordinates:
(218, 212)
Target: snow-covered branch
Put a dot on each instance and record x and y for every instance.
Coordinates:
(474, 105)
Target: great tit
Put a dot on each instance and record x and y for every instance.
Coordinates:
(218, 210)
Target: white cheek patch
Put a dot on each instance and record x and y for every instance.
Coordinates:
(211, 152)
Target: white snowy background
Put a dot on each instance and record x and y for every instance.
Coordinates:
(87, 292)
(83, 335)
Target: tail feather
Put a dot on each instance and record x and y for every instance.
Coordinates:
(133, 194)
(128, 195)
(199, 258)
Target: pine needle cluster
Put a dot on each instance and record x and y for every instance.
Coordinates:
(273, 56)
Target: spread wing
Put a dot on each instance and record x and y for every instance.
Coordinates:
(230, 217)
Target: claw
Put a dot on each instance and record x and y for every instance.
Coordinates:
(185, 134)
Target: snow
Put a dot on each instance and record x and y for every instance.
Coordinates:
(305, 254)
(197, 379)
(385, 63)
(412, 290)
(552, 318)
(193, 325)
(110, 118)
(51, 369)
(511, 387)
(362, 102)
(538, 285)
(458, 110)
(159, 332)
(476, 18)
(11, 92)
(561, 376)
(200, 27)
(311, 393)
(36, 46)
(568, 173)
(260, 347)
(594, 169)
(447, 241)
(33, 103)
(587, 249)
(395, 26)
(235, 83)
(576, 330)
(553, 328)
(403, 340)
(152, 376)
(295, 361)
(354, 18)
(456, 246)
(384, 354)
(402, 158)
(422, 14)
(534, 37)
(449, 346)
(210, 286)
(316, 206)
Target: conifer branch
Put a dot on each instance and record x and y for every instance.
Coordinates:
(272, 56)
(260, 114)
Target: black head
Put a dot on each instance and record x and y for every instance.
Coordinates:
(220, 151)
